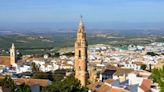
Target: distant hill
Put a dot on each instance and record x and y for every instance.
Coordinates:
(59, 40)
(42, 42)
(49, 31)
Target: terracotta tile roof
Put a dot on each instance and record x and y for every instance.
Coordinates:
(109, 81)
(95, 62)
(126, 62)
(114, 62)
(138, 63)
(99, 87)
(146, 85)
(104, 88)
(117, 90)
(39, 59)
(111, 67)
(41, 82)
(93, 85)
(5, 60)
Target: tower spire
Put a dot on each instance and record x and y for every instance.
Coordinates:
(12, 46)
(81, 20)
(81, 25)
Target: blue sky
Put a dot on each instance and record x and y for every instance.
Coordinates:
(117, 13)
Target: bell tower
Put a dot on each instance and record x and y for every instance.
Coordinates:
(12, 54)
(80, 65)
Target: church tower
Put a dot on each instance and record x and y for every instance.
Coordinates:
(80, 66)
(12, 54)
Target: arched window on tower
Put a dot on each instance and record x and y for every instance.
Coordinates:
(79, 54)
(79, 68)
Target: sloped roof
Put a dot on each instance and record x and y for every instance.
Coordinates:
(111, 67)
(109, 81)
(5, 60)
(93, 85)
(117, 90)
(41, 82)
(138, 63)
(146, 85)
(36, 58)
(105, 87)
(99, 87)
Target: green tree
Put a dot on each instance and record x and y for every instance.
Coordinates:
(69, 54)
(40, 75)
(57, 75)
(152, 54)
(69, 84)
(23, 88)
(158, 77)
(143, 67)
(8, 83)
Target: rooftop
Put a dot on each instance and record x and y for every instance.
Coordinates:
(5, 60)
(41, 82)
(146, 85)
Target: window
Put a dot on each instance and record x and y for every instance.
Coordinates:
(79, 54)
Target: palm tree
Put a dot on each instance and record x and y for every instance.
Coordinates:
(158, 77)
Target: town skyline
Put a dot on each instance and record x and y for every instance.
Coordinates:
(117, 47)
